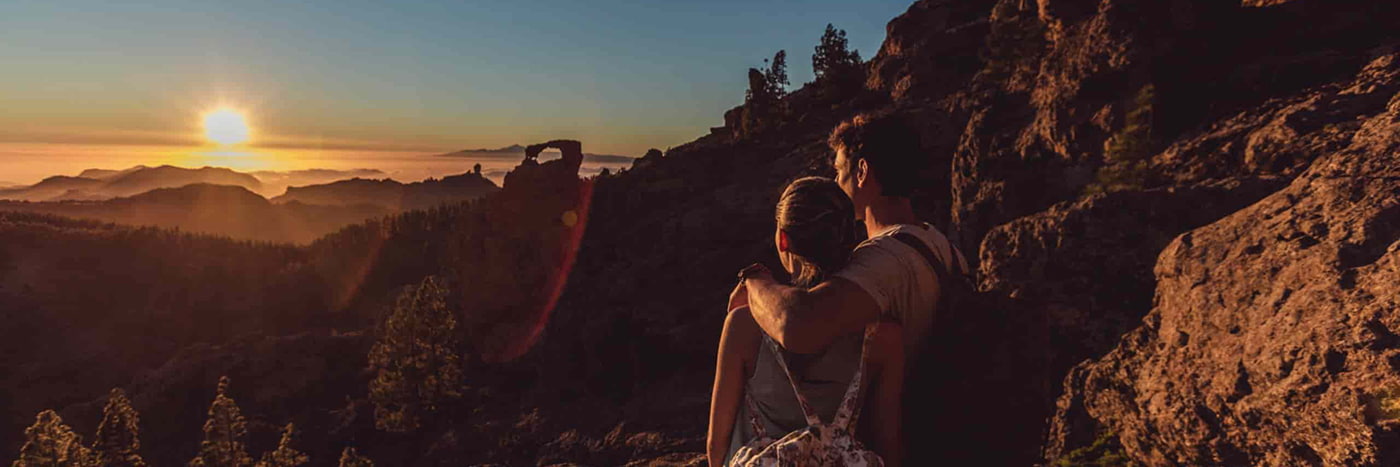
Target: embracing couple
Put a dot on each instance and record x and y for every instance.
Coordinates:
(813, 372)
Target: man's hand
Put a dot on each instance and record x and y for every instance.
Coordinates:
(738, 298)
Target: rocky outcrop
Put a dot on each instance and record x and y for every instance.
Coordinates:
(1087, 265)
(930, 50)
(1272, 340)
(1060, 78)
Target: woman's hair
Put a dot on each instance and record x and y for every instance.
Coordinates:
(820, 223)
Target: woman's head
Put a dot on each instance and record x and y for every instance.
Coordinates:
(816, 229)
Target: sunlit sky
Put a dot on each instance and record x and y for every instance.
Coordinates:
(622, 76)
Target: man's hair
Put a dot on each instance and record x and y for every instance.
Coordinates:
(888, 143)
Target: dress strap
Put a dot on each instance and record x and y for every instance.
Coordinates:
(759, 432)
(849, 411)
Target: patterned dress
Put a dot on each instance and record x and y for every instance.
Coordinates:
(773, 438)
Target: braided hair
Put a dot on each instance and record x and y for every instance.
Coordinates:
(820, 224)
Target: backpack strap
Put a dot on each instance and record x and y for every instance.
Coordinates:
(940, 270)
(849, 411)
(777, 350)
(918, 245)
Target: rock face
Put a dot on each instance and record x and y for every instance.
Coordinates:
(1273, 337)
(1087, 265)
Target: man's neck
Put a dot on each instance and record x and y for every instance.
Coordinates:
(888, 211)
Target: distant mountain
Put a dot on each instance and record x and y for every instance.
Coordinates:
(99, 184)
(51, 188)
(102, 174)
(275, 183)
(226, 210)
(512, 149)
(516, 150)
(391, 194)
(165, 176)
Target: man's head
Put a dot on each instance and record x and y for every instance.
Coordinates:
(876, 155)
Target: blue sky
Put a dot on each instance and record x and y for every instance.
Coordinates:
(622, 75)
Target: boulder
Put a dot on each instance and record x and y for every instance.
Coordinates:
(1272, 340)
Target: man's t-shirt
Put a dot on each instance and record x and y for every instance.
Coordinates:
(899, 278)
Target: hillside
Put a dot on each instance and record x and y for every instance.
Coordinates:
(1183, 215)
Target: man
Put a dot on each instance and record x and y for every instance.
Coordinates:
(877, 161)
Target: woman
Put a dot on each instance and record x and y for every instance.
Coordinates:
(816, 232)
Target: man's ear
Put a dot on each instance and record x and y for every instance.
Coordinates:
(862, 172)
(782, 241)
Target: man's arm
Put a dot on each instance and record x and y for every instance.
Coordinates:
(806, 320)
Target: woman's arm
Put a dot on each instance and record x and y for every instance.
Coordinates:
(737, 346)
(887, 392)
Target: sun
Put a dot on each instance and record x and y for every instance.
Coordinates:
(226, 127)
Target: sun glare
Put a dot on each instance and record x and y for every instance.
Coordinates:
(226, 127)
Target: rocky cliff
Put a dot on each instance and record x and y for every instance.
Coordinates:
(1271, 340)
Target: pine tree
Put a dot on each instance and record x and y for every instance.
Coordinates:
(223, 434)
(415, 362)
(284, 455)
(118, 437)
(352, 458)
(831, 57)
(776, 75)
(48, 442)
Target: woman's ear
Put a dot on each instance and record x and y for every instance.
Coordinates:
(782, 241)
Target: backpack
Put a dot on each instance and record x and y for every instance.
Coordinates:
(973, 353)
(826, 444)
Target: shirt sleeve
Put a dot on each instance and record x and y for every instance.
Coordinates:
(877, 270)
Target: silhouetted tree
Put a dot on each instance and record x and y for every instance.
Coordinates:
(118, 436)
(763, 102)
(777, 76)
(48, 442)
(652, 153)
(415, 360)
(831, 57)
(476, 169)
(284, 455)
(352, 458)
(223, 434)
